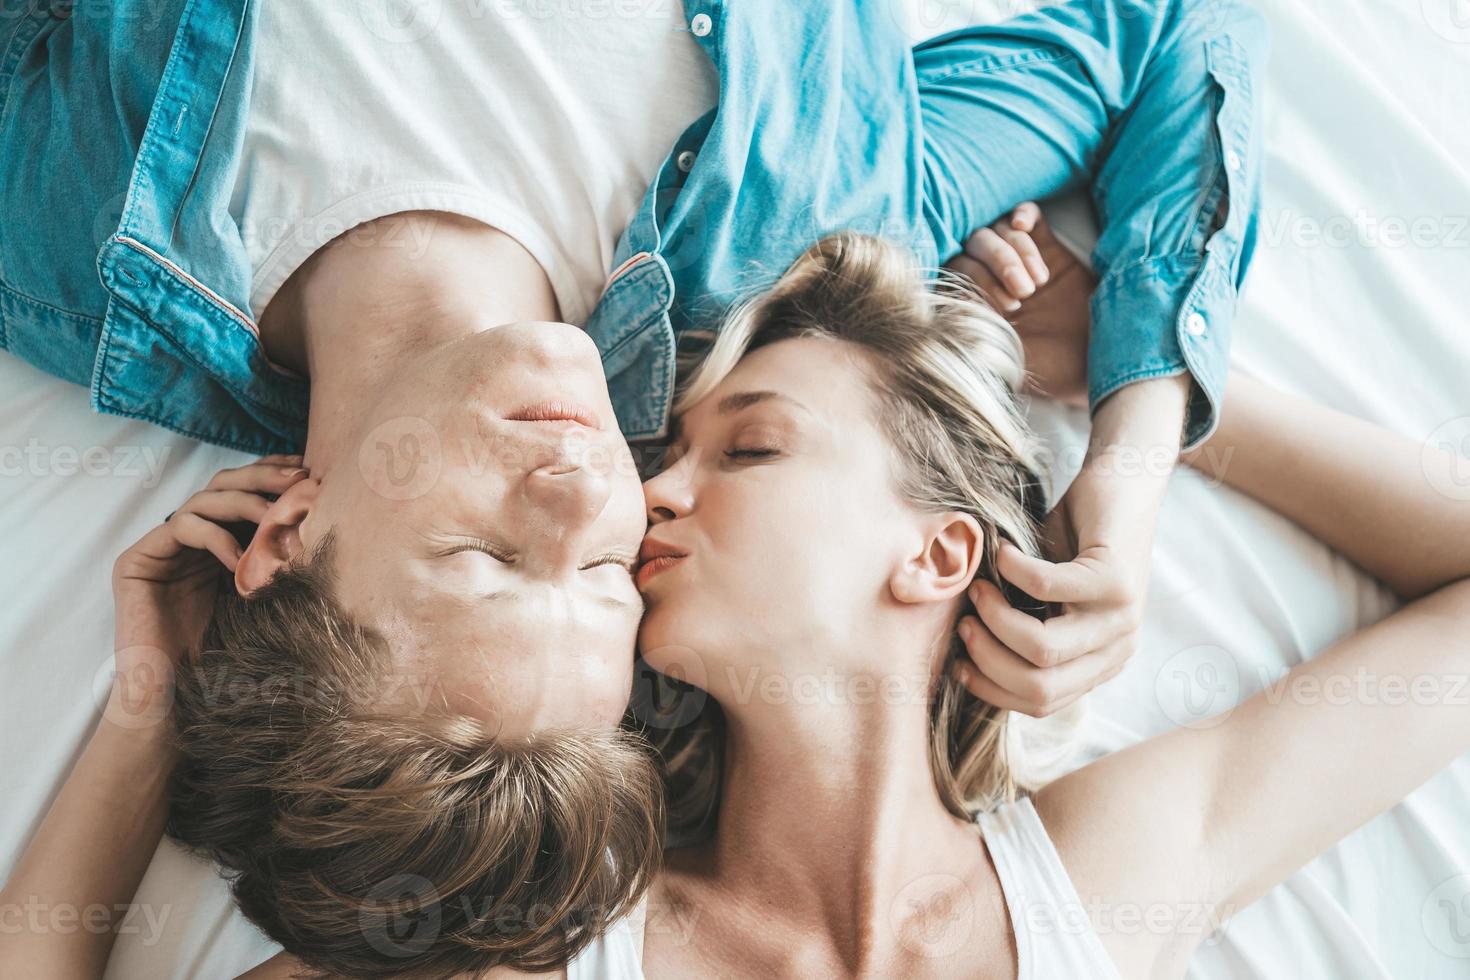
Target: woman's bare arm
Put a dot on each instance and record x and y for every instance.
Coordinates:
(1200, 822)
(1196, 824)
(1367, 492)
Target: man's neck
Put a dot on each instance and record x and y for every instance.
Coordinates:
(385, 291)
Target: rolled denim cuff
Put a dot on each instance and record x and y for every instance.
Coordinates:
(1179, 310)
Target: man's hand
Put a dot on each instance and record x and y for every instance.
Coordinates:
(1099, 539)
(1043, 290)
(164, 586)
(1099, 545)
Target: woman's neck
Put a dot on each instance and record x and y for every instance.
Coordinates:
(830, 812)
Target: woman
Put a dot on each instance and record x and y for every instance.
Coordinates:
(852, 461)
(317, 195)
(853, 479)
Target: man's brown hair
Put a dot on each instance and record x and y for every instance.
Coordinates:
(374, 842)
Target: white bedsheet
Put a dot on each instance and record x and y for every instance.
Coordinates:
(1368, 104)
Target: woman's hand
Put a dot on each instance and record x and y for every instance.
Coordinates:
(164, 586)
(1043, 290)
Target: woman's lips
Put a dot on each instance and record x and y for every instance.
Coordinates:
(653, 566)
(655, 557)
(556, 410)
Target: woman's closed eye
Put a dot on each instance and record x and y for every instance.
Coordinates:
(763, 452)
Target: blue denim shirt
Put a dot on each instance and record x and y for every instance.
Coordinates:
(121, 124)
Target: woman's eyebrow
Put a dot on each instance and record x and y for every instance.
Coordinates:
(744, 399)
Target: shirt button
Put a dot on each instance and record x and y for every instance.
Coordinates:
(700, 24)
(685, 161)
(1233, 161)
(1195, 325)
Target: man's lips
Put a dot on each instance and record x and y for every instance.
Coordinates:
(556, 411)
(655, 557)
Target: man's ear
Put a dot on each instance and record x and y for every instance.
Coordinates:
(278, 537)
(952, 545)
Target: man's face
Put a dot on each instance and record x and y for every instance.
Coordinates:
(488, 529)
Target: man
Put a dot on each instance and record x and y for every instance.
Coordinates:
(201, 318)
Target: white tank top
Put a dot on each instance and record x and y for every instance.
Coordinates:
(617, 954)
(1055, 938)
(1054, 935)
(544, 118)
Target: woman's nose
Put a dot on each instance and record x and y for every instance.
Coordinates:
(670, 494)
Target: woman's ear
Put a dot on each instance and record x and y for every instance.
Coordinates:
(953, 544)
(278, 537)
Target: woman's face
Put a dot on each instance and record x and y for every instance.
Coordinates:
(777, 525)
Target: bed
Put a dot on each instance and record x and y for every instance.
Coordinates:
(1360, 298)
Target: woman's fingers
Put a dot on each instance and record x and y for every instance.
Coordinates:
(1027, 249)
(1026, 228)
(994, 290)
(1005, 259)
(1025, 216)
(1002, 259)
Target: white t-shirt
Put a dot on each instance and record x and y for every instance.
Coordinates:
(546, 119)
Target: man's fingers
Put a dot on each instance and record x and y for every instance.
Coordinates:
(998, 676)
(1048, 643)
(1001, 258)
(194, 531)
(988, 691)
(273, 475)
(226, 506)
(1048, 581)
(1030, 684)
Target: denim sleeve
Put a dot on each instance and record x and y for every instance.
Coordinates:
(1154, 106)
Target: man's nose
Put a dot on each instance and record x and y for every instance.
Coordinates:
(571, 494)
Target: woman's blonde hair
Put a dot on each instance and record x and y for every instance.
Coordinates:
(946, 370)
